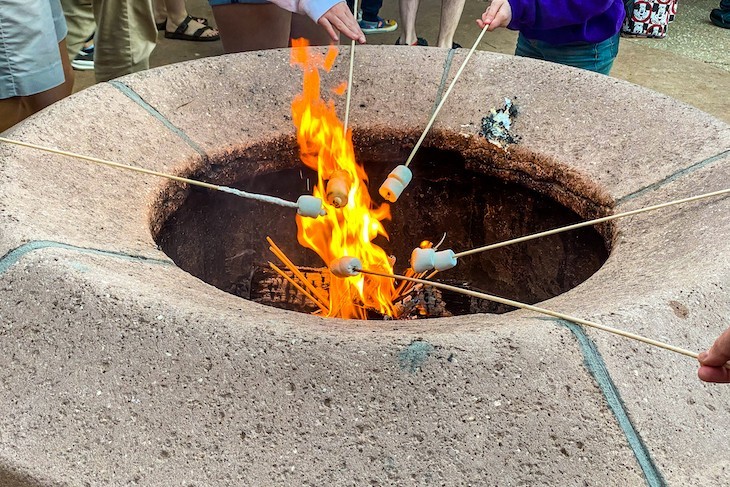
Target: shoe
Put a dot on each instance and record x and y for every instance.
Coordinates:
(84, 60)
(379, 26)
(720, 18)
(454, 45)
(195, 36)
(419, 42)
(162, 24)
(725, 5)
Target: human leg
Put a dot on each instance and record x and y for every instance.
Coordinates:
(34, 68)
(596, 57)
(408, 12)
(176, 14)
(450, 15)
(81, 25)
(125, 36)
(252, 26)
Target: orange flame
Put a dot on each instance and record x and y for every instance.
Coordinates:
(347, 231)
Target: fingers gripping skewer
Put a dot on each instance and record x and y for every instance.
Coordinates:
(306, 205)
(426, 259)
(348, 266)
(399, 178)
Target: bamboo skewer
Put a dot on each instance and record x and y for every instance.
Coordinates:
(321, 306)
(589, 223)
(446, 95)
(295, 270)
(349, 77)
(548, 312)
(244, 194)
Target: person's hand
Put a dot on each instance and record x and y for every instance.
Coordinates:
(340, 19)
(498, 14)
(712, 361)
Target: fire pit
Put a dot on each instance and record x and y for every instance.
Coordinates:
(221, 239)
(122, 364)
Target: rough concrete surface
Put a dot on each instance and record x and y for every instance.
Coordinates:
(118, 368)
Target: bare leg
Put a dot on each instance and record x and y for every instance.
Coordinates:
(408, 11)
(15, 109)
(450, 16)
(160, 10)
(252, 26)
(303, 26)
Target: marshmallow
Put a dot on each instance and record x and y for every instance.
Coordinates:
(346, 266)
(310, 206)
(338, 187)
(397, 181)
(423, 260)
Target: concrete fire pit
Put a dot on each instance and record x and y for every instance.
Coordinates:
(119, 368)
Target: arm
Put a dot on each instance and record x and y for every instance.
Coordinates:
(541, 14)
(333, 15)
(712, 362)
(553, 14)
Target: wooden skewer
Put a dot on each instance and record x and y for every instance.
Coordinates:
(589, 223)
(349, 77)
(225, 189)
(299, 288)
(548, 312)
(295, 270)
(446, 95)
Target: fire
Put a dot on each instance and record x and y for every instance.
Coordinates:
(349, 230)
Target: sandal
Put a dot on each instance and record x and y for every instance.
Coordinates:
(378, 26)
(195, 36)
(420, 41)
(163, 23)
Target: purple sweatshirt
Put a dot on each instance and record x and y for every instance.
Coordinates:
(567, 21)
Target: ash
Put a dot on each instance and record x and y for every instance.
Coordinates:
(497, 124)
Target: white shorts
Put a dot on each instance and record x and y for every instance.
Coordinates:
(30, 61)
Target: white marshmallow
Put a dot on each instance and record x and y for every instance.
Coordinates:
(346, 266)
(423, 260)
(310, 206)
(397, 181)
(444, 260)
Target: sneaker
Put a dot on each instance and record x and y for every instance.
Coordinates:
(84, 60)
(379, 26)
(419, 42)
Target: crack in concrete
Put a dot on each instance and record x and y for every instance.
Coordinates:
(674, 176)
(13, 256)
(444, 77)
(135, 97)
(597, 368)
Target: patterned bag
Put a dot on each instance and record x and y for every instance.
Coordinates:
(648, 18)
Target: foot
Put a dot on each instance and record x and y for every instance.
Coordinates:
(420, 41)
(378, 26)
(720, 17)
(190, 30)
(84, 60)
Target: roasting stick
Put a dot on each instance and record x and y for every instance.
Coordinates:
(399, 178)
(351, 266)
(306, 205)
(349, 76)
(295, 270)
(321, 306)
(591, 222)
(423, 259)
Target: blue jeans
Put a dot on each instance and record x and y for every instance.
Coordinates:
(593, 57)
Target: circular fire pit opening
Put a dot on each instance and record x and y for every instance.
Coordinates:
(221, 238)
